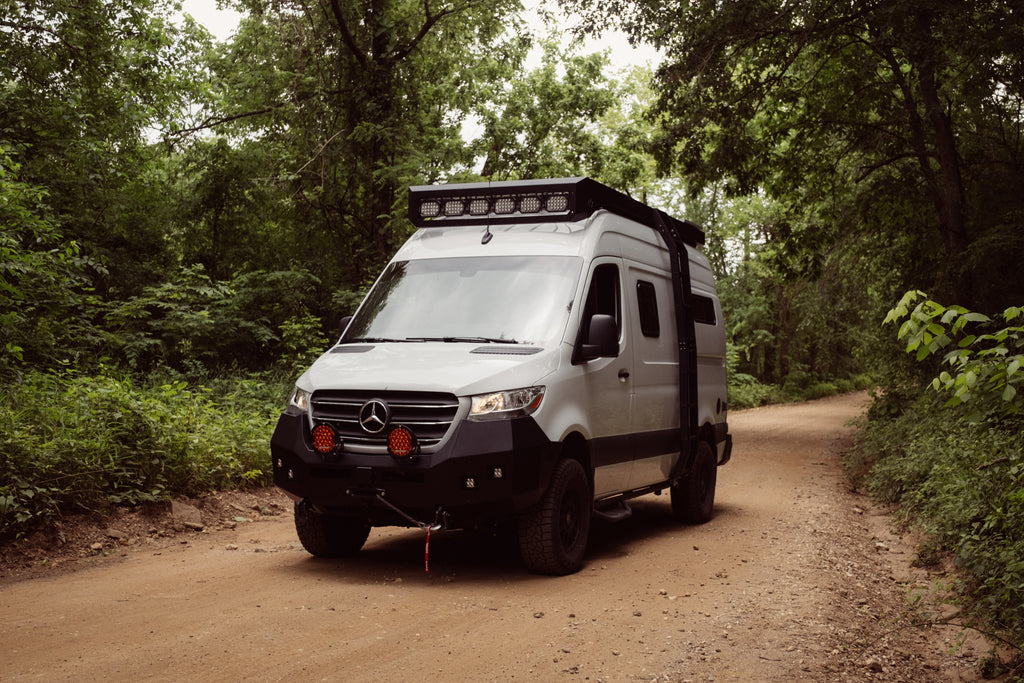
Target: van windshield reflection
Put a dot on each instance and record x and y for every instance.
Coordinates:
(478, 300)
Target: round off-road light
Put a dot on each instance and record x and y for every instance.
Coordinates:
(402, 443)
(325, 439)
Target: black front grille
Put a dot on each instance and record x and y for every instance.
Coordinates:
(427, 414)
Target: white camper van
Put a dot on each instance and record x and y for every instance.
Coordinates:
(538, 352)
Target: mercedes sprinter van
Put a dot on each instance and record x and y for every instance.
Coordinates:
(537, 353)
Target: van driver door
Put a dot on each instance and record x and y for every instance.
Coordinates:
(605, 383)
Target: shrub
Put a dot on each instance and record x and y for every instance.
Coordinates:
(192, 322)
(84, 442)
(950, 453)
(962, 484)
(746, 392)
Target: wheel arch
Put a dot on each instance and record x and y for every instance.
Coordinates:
(576, 447)
(706, 432)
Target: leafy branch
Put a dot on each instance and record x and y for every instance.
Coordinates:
(984, 367)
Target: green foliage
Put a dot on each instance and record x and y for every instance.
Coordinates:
(343, 105)
(962, 484)
(229, 218)
(950, 451)
(84, 442)
(795, 318)
(195, 322)
(984, 368)
(544, 124)
(82, 85)
(42, 278)
(746, 392)
(302, 342)
(889, 130)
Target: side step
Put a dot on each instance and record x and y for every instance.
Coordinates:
(616, 512)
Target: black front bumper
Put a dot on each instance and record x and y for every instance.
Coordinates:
(485, 472)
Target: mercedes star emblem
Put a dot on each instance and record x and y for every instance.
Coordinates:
(374, 416)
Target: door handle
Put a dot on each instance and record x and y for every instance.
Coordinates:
(623, 374)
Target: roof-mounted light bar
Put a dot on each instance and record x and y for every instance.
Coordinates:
(516, 201)
(475, 207)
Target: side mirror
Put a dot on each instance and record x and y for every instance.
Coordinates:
(602, 338)
(343, 325)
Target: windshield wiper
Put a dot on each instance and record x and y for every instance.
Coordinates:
(466, 340)
(372, 340)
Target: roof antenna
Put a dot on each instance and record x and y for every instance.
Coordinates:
(487, 227)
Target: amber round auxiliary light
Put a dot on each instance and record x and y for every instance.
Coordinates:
(401, 443)
(325, 439)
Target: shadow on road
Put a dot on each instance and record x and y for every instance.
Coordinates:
(395, 554)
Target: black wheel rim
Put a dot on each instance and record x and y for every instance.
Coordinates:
(702, 484)
(570, 516)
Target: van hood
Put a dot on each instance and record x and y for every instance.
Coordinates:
(462, 369)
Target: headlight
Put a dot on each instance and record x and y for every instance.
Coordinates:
(504, 405)
(300, 399)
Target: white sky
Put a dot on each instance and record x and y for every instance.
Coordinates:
(222, 23)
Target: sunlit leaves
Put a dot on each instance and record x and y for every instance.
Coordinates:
(984, 367)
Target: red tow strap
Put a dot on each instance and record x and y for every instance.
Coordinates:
(426, 553)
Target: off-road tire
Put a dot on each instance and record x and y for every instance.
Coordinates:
(693, 496)
(329, 535)
(553, 535)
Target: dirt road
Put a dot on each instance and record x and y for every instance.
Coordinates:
(794, 578)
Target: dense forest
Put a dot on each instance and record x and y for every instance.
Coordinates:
(183, 221)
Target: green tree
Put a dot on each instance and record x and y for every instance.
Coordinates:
(42, 279)
(82, 87)
(353, 101)
(229, 218)
(822, 103)
(546, 123)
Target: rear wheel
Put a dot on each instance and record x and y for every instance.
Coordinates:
(553, 535)
(693, 496)
(329, 535)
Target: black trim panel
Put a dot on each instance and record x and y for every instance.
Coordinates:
(614, 450)
(721, 432)
(351, 349)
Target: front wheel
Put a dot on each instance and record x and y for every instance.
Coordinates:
(329, 535)
(693, 496)
(553, 535)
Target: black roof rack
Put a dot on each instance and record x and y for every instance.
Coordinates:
(556, 199)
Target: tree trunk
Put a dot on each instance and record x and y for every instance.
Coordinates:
(948, 193)
(947, 188)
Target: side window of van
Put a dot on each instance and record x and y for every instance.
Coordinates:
(647, 305)
(603, 296)
(703, 310)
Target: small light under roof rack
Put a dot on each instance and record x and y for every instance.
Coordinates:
(518, 201)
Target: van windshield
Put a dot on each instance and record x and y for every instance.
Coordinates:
(509, 299)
